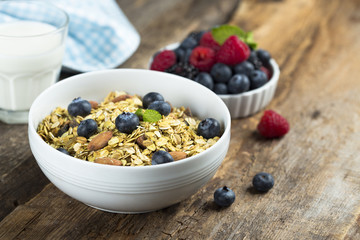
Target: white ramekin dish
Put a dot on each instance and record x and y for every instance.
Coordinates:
(248, 103)
(129, 189)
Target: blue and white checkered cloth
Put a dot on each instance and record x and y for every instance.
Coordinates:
(99, 37)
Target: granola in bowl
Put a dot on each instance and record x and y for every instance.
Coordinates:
(175, 133)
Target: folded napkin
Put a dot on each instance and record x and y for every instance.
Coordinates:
(99, 37)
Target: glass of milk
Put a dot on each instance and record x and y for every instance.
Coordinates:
(32, 37)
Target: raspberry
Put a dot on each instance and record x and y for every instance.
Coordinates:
(207, 40)
(202, 58)
(164, 60)
(233, 51)
(273, 125)
(266, 71)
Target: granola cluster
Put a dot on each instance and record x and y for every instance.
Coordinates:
(175, 133)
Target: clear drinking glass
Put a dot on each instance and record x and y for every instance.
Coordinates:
(32, 44)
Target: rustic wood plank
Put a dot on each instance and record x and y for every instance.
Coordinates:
(316, 166)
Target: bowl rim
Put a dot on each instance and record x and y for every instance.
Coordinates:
(275, 75)
(32, 131)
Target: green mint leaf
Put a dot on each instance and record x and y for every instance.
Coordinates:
(140, 112)
(151, 115)
(223, 32)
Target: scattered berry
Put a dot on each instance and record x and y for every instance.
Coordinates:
(224, 196)
(162, 107)
(233, 51)
(263, 182)
(202, 58)
(79, 107)
(208, 128)
(184, 69)
(207, 40)
(257, 79)
(220, 88)
(151, 97)
(239, 83)
(273, 125)
(163, 60)
(264, 56)
(245, 67)
(87, 128)
(221, 73)
(205, 79)
(127, 122)
(63, 150)
(160, 157)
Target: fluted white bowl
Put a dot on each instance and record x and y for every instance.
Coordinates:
(126, 189)
(248, 103)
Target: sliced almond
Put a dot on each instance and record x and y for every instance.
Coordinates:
(178, 155)
(100, 141)
(121, 98)
(94, 104)
(108, 161)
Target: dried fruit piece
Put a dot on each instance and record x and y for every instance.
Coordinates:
(121, 98)
(178, 155)
(108, 161)
(100, 141)
(94, 104)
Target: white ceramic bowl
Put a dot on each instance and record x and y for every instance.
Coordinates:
(247, 103)
(129, 189)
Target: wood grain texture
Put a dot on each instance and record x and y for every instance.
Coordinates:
(316, 166)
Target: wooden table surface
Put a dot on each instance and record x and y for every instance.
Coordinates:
(316, 166)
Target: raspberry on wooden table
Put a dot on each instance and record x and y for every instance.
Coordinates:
(273, 125)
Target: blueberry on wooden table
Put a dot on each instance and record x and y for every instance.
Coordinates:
(162, 107)
(208, 128)
(151, 97)
(263, 181)
(160, 157)
(87, 128)
(224, 196)
(127, 122)
(79, 107)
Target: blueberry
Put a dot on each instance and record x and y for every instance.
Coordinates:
(239, 83)
(220, 88)
(79, 107)
(151, 97)
(180, 53)
(221, 73)
(87, 128)
(63, 150)
(162, 107)
(160, 157)
(264, 56)
(189, 43)
(253, 58)
(245, 67)
(224, 196)
(197, 35)
(263, 182)
(257, 79)
(209, 128)
(127, 122)
(205, 79)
